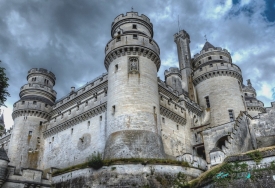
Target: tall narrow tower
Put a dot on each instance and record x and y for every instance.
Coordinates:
(132, 60)
(36, 101)
(182, 39)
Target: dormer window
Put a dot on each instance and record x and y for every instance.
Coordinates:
(134, 26)
(118, 39)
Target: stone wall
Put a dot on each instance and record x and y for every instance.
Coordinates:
(125, 176)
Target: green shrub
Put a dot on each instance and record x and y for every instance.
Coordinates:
(95, 161)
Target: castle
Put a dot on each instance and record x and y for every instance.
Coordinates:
(200, 114)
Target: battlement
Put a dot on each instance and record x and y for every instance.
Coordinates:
(182, 34)
(131, 15)
(38, 87)
(217, 49)
(83, 89)
(217, 69)
(172, 70)
(32, 105)
(41, 71)
(126, 41)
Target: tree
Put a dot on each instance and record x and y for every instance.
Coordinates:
(3, 86)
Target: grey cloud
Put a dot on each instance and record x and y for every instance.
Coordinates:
(70, 37)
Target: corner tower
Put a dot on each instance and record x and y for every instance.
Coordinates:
(36, 101)
(218, 83)
(132, 61)
(182, 39)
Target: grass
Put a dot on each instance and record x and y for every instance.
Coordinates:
(95, 163)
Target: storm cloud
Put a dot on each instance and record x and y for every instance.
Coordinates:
(69, 37)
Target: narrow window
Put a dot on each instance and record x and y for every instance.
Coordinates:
(88, 124)
(220, 57)
(54, 120)
(207, 101)
(95, 97)
(150, 41)
(250, 101)
(163, 120)
(77, 107)
(231, 115)
(209, 58)
(61, 116)
(100, 118)
(86, 103)
(113, 109)
(134, 36)
(72, 130)
(52, 139)
(222, 64)
(154, 109)
(69, 112)
(118, 33)
(34, 102)
(245, 94)
(199, 62)
(46, 105)
(200, 69)
(23, 102)
(177, 127)
(118, 38)
(116, 67)
(30, 133)
(40, 123)
(134, 26)
(211, 65)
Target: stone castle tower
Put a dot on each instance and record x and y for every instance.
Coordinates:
(34, 107)
(132, 61)
(200, 114)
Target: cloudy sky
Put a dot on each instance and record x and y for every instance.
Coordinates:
(68, 37)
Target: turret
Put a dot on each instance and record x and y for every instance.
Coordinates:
(218, 83)
(182, 39)
(132, 61)
(36, 101)
(253, 105)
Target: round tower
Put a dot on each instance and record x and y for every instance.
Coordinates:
(254, 106)
(218, 83)
(36, 101)
(132, 61)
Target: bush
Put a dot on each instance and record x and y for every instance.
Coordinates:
(95, 161)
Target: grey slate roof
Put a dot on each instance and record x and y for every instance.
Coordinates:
(3, 155)
(207, 45)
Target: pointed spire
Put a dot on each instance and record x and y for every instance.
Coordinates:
(207, 45)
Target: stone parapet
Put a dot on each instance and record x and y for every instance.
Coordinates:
(39, 71)
(217, 69)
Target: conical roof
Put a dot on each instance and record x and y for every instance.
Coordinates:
(3, 155)
(207, 45)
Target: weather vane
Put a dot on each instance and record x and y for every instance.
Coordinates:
(132, 9)
(205, 38)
